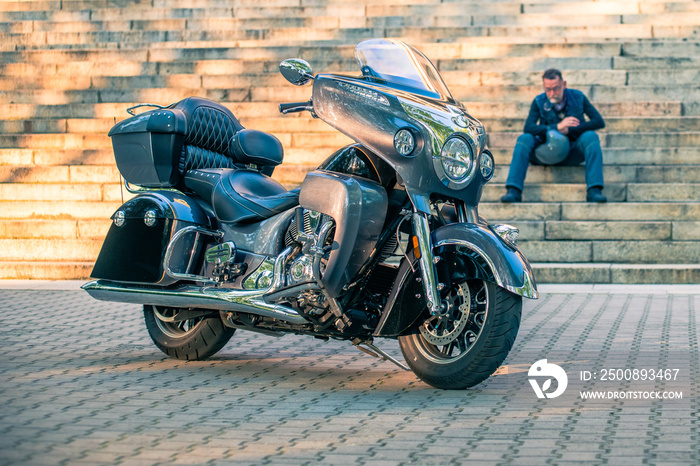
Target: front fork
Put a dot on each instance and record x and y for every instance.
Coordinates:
(426, 258)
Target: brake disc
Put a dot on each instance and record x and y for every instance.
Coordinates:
(444, 329)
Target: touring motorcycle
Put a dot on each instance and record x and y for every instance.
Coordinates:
(383, 239)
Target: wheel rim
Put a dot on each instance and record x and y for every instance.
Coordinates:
(450, 336)
(166, 320)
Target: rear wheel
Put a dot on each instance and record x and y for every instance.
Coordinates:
(469, 340)
(189, 337)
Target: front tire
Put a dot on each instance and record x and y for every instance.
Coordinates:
(192, 339)
(466, 344)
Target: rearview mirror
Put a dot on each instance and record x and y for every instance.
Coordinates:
(296, 71)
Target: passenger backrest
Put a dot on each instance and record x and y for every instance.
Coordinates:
(210, 127)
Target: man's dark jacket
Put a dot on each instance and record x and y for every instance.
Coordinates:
(544, 117)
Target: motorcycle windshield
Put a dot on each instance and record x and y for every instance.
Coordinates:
(396, 64)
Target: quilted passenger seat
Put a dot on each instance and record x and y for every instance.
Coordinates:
(241, 196)
(210, 127)
(217, 155)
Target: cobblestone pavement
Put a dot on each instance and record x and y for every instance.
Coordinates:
(81, 382)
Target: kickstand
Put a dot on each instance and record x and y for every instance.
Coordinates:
(377, 353)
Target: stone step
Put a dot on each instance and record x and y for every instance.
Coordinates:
(59, 228)
(306, 124)
(45, 270)
(55, 141)
(662, 192)
(632, 252)
(140, 68)
(14, 80)
(594, 92)
(448, 56)
(651, 63)
(487, 94)
(643, 156)
(556, 192)
(632, 124)
(587, 80)
(74, 174)
(608, 109)
(357, 16)
(294, 173)
(51, 157)
(77, 191)
(583, 211)
(616, 273)
(52, 209)
(501, 140)
(623, 7)
(621, 230)
(104, 32)
(105, 38)
(244, 110)
(611, 173)
(591, 31)
(49, 249)
(627, 230)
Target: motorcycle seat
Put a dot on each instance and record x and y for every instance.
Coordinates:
(241, 195)
(214, 138)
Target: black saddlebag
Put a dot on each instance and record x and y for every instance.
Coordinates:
(142, 230)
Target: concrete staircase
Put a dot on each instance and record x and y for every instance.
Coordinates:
(70, 68)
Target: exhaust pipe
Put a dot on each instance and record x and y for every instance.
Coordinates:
(203, 297)
(192, 296)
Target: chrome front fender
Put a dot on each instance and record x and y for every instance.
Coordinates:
(505, 264)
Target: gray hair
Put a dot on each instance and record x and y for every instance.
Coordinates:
(552, 73)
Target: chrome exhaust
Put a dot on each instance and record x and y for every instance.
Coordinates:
(203, 297)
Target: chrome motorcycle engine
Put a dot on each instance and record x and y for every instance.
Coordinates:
(308, 236)
(301, 270)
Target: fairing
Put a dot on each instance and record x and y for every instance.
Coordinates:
(372, 108)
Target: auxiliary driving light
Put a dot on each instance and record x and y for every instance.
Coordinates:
(404, 142)
(486, 165)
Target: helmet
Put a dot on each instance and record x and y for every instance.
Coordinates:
(554, 150)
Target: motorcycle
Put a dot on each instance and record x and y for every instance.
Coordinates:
(382, 240)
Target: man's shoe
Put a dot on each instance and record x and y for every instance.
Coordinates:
(513, 195)
(595, 195)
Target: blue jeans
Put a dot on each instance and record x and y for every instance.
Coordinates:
(586, 148)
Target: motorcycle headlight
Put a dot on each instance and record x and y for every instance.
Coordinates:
(456, 158)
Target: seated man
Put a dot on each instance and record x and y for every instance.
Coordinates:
(556, 133)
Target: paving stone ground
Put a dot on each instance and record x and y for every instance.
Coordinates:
(81, 383)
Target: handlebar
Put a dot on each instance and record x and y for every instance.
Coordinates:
(294, 107)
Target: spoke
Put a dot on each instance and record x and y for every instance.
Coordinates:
(462, 343)
(447, 349)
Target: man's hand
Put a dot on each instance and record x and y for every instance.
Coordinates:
(566, 123)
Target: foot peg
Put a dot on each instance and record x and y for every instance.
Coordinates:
(222, 256)
(376, 352)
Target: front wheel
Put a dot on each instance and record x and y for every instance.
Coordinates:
(464, 344)
(188, 337)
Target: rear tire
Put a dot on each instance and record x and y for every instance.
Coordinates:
(468, 344)
(192, 340)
